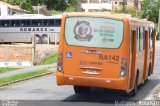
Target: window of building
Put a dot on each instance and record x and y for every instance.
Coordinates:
(105, 1)
(84, 1)
(94, 1)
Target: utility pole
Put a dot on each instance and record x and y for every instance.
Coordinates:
(33, 48)
(158, 32)
(38, 8)
(79, 5)
(136, 2)
(124, 6)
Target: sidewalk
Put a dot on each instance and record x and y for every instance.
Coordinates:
(26, 70)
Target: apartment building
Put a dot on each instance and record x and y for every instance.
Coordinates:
(108, 5)
(7, 9)
(96, 5)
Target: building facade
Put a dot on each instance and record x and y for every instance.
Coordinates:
(7, 9)
(96, 5)
(136, 4)
(108, 5)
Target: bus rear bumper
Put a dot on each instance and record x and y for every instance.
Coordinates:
(117, 84)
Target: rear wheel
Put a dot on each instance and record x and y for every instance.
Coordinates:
(81, 89)
(134, 92)
(149, 71)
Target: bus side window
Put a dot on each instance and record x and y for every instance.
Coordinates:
(144, 38)
(15, 23)
(131, 40)
(141, 39)
(137, 33)
(51, 22)
(34, 22)
(57, 22)
(25, 23)
(39, 23)
(45, 22)
(150, 37)
(5, 23)
(48, 22)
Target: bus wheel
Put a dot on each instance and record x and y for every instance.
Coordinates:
(81, 89)
(134, 92)
(149, 70)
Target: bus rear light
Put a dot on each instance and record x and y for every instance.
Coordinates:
(123, 67)
(60, 62)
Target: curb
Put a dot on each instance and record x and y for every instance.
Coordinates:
(20, 80)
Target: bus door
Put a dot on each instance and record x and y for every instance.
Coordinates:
(146, 58)
(133, 49)
(150, 48)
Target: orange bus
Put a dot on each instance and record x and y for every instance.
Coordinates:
(105, 50)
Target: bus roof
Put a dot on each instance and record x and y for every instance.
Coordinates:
(134, 21)
(30, 16)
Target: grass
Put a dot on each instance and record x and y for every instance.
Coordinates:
(3, 70)
(51, 59)
(23, 76)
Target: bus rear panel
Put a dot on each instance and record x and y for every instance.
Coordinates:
(91, 52)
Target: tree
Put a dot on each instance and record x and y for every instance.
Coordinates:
(25, 4)
(59, 5)
(36, 2)
(150, 10)
(72, 5)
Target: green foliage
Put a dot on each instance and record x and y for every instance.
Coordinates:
(129, 10)
(3, 70)
(73, 4)
(150, 9)
(24, 76)
(58, 5)
(36, 2)
(132, 11)
(25, 4)
(50, 59)
(55, 12)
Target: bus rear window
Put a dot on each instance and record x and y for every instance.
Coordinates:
(93, 32)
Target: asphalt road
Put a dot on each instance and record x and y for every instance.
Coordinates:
(43, 91)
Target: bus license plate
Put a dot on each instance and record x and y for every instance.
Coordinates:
(92, 71)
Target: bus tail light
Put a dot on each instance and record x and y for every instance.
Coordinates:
(60, 62)
(123, 67)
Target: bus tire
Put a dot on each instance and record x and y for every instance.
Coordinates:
(149, 71)
(81, 89)
(134, 91)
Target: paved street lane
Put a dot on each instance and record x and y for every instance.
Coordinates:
(45, 88)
